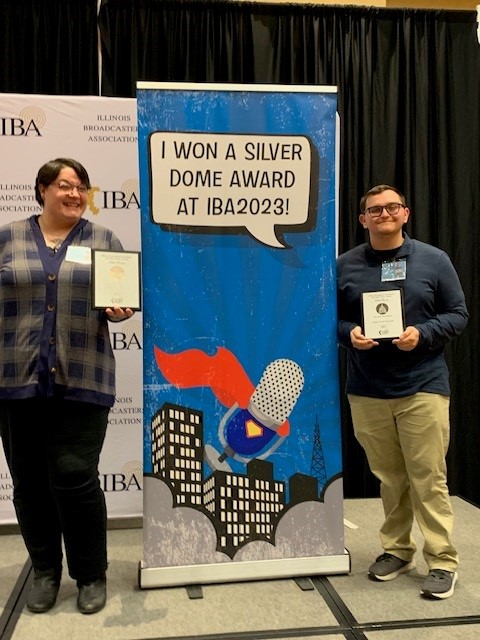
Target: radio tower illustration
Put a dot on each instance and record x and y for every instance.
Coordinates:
(317, 469)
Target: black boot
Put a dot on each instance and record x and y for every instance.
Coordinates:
(92, 596)
(43, 594)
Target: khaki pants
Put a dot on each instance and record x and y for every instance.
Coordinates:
(406, 441)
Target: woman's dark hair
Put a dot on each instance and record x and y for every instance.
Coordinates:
(50, 170)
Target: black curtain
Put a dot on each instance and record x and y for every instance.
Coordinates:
(409, 103)
(49, 47)
(408, 99)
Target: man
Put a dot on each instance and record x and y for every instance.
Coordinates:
(397, 386)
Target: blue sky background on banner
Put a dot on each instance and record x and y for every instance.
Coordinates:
(210, 290)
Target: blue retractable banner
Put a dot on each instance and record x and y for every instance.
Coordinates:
(242, 444)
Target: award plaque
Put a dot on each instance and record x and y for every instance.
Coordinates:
(116, 279)
(383, 315)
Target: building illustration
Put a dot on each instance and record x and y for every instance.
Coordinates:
(243, 507)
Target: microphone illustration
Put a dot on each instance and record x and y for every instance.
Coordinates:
(255, 432)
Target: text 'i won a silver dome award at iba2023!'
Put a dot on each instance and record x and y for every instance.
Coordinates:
(256, 182)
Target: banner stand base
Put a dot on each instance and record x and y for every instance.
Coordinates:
(151, 578)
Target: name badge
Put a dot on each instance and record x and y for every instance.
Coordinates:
(80, 255)
(395, 270)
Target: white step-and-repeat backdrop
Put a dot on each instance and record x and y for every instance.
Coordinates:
(102, 134)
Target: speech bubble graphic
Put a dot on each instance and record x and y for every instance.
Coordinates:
(226, 183)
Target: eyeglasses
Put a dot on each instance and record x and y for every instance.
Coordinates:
(391, 208)
(66, 187)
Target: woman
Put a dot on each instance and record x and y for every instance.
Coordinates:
(57, 384)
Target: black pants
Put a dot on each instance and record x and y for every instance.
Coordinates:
(52, 447)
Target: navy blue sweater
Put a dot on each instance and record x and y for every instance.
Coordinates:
(53, 342)
(434, 303)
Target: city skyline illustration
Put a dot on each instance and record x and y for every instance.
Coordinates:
(243, 507)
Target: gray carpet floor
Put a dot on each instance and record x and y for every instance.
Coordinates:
(347, 607)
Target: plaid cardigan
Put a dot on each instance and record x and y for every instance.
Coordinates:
(52, 343)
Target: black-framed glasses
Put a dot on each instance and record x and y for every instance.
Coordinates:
(66, 187)
(392, 208)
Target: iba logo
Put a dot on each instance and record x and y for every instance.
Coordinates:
(29, 123)
(129, 479)
(130, 338)
(125, 198)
